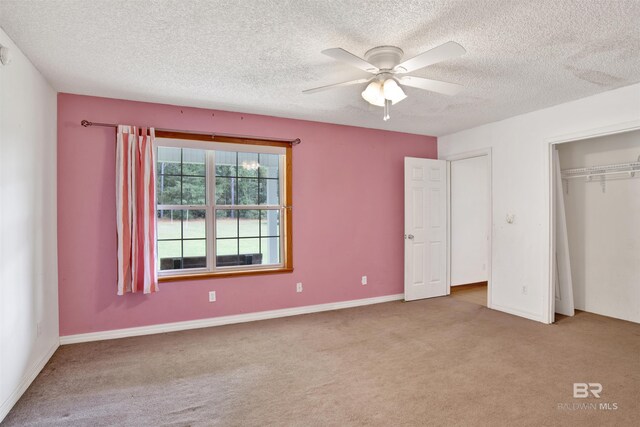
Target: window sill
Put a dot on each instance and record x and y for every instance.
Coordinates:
(220, 274)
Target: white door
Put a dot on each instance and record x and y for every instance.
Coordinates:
(425, 227)
(562, 276)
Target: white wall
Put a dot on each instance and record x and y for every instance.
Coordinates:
(28, 248)
(469, 220)
(520, 272)
(604, 227)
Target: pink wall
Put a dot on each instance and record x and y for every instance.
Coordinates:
(347, 217)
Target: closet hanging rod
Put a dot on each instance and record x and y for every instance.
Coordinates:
(591, 175)
(296, 141)
(631, 168)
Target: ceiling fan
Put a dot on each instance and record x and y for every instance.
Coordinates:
(384, 88)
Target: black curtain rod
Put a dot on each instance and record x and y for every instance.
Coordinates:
(87, 123)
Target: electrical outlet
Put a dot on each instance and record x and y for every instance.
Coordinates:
(299, 287)
(212, 296)
(524, 290)
(364, 280)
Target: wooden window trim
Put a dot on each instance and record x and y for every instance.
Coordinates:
(220, 138)
(227, 274)
(288, 203)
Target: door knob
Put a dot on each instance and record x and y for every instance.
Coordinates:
(410, 237)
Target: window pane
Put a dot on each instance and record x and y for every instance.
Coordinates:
(174, 182)
(237, 181)
(168, 189)
(226, 223)
(170, 254)
(226, 163)
(168, 224)
(194, 253)
(194, 225)
(168, 160)
(193, 162)
(251, 255)
(248, 164)
(250, 247)
(247, 191)
(175, 225)
(249, 223)
(270, 247)
(269, 166)
(269, 223)
(269, 192)
(194, 190)
(226, 247)
(226, 191)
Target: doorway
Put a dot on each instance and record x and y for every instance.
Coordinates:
(470, 227)
(432, 204)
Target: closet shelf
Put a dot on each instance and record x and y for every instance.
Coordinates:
(595, 171)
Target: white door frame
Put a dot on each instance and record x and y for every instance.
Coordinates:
(628, 126)
(462, 156)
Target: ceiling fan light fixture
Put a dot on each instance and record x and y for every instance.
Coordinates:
(392, 91)
(373, 94)
(383, 89)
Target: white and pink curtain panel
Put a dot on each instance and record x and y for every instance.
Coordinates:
(136, 210)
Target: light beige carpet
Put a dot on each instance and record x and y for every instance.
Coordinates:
(476, 294)
(432, 362)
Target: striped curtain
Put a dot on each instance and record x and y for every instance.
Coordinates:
(136, 210)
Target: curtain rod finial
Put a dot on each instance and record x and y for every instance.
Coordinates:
(296, 141)
(86, 123)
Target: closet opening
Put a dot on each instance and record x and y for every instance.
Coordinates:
(596, 226)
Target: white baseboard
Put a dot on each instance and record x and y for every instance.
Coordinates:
(26, 382)
(223, 320)
(519, 313)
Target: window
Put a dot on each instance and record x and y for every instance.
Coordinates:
(222, 207)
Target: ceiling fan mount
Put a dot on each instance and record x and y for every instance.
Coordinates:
(384, 57)
(384, 87)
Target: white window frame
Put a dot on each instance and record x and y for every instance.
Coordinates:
(210, 206)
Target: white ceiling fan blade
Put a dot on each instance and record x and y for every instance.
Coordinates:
(342, 55)
(349, 83)
(449, 50)
(431, 85)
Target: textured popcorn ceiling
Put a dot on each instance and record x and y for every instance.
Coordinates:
(257, 56)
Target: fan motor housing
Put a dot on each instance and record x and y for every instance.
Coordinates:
(384, 57)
